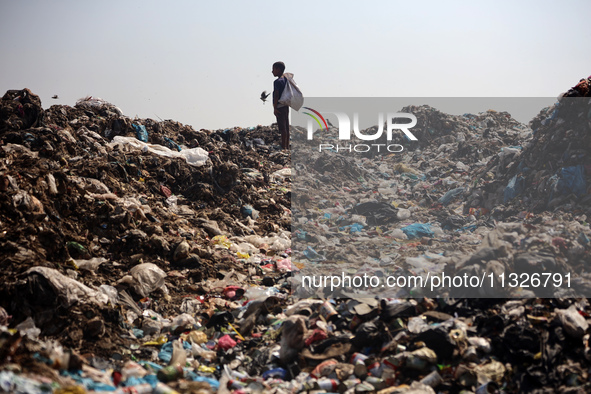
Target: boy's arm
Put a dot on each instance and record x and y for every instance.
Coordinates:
(275, 97)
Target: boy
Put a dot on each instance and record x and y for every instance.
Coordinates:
(281, 111)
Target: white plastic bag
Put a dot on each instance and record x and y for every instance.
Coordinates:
(194, 156)
(146, 278)
(292, 95)
(179, 355)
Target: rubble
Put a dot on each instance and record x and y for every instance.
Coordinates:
(144, 256)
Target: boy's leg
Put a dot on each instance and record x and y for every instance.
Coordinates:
(280, 127)
(283, 124)
(286, 134)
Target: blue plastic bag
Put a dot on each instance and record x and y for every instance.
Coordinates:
(165, 353)
(450, 195)
(141, 132)
(353, 228)
(514, 188)
(572, 180)
(418, 230)
(171, 144)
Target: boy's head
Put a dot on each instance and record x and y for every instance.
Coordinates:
(278, 69)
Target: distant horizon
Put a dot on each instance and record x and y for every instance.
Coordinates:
(523, 115)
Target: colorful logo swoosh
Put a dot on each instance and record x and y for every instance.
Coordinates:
(316, 119)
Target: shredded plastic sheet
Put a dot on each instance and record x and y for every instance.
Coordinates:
(196, 156)
(70, 290)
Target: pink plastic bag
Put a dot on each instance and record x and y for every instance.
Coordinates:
(226, 342)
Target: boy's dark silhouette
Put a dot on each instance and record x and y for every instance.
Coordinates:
(281, 111)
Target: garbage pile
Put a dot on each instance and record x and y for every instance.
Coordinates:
(548, 172)
(111, 224)
(144, 256)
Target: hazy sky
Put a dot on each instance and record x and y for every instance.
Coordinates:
(205, 63)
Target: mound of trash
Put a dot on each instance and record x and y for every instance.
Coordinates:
(145, 256)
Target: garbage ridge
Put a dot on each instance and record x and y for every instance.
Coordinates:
(130, 266)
